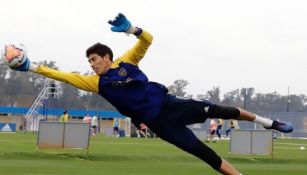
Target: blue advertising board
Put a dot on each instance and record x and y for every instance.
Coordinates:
(7, 127)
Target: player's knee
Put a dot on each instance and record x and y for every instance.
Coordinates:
(225, 112)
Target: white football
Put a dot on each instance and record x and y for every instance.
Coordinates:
(14, 54)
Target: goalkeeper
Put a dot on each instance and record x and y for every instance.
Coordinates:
(126, 87)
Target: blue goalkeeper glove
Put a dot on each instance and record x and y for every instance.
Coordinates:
(121, 24)
(24, 67)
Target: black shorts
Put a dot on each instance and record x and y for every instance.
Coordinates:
(170, 125)
(178, 112)
(175, 114)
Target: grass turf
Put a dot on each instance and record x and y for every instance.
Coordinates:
(137, 156)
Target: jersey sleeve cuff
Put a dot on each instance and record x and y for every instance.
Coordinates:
(33, 67)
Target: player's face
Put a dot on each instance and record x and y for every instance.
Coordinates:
(99, 64)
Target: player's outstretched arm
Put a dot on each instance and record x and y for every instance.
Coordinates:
(16, 58)
(137, 52)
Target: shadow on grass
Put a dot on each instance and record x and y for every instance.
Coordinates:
(41, 155)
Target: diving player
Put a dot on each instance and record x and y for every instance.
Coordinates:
(126, 87)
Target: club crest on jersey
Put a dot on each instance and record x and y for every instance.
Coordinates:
(122, 72)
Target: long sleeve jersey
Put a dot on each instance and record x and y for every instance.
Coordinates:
(125, 86)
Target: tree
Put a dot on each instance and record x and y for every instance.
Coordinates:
(213, 95)
(3, 79)
(201, 97)
(296, 103)
(178, 88)
(246, 94)
(270, 102)
(304, 101)
(232, 98)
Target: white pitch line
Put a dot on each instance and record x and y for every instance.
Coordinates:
(15, 141)
(287, 148)
(295, 144)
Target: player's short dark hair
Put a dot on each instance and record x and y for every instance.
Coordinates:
(99, 49)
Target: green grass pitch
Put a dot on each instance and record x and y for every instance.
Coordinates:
(138, 156)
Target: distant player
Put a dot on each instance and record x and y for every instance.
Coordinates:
(142, 130)
(94, 125)
(64, 117)
(126, 87)
(220, 123)
(212, 130)
(116, 127)
(87, 118)
(231, 125)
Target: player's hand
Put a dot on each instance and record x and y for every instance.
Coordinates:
(121, 24)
